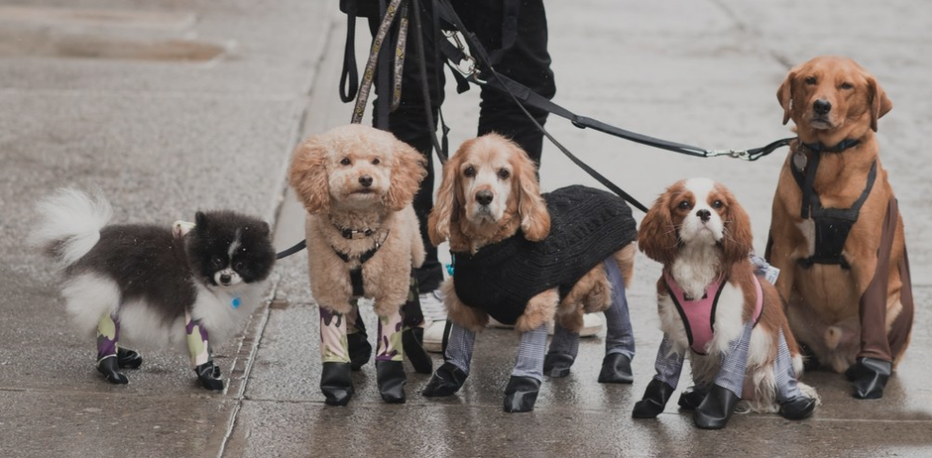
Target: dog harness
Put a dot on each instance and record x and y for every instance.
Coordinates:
(698, 315)
(356, 273)
(587, 226)
(832, 225)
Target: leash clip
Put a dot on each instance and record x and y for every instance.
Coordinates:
(467, 65)
(736, 154)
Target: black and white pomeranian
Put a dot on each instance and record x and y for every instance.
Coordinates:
(188, 286)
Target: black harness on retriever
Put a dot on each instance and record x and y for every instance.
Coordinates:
(356, 273)
(587, 226)
(832, 225)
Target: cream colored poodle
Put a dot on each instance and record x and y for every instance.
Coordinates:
(357, 184)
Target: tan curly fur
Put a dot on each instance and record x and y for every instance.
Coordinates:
(357, 177)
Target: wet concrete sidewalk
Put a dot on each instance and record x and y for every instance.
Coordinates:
(170, 107)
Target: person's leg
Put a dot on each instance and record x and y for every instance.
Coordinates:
(527, 61)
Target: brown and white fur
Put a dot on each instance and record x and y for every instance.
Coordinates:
(831, 99)
(699, 232)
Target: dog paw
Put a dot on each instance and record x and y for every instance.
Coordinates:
(558, 364)
(209, 376)
(521, 394)
(108, 367)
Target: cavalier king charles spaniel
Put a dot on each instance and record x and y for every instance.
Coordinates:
(715, 307)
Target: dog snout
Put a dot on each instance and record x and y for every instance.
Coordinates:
(365, 180)
(484, 197)
(821, 106)
(704, 215)
(225, 279)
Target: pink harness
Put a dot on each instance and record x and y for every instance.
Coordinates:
(699, 315)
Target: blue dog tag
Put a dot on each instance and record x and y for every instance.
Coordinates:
(235, 303)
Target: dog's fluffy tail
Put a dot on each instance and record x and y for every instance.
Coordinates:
(70, 224)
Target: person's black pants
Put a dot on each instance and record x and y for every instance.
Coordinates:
(526, 61)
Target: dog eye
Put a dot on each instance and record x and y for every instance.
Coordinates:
(239, 265)
(217, 261)
(717, 204)
(503, 174)
(469, 172)
(345, 161)
(376, 161)
(684, 205)
(811, 80)
(847, 86)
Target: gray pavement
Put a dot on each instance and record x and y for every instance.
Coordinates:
(170, 107)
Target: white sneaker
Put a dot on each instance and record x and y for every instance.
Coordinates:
(592, 325)
(435, 320)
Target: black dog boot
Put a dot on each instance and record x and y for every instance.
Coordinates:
(810, 360)
(521, 394)
(209, 375)
(716, 408)
(557, 364)
(445, 382)
(360, 350)
(798, 408)
(128, 359)
(108, 366)
(655, 399)
(411, 340)
(692, 397)
(391, 379)
(336, 384)
(869, 377)
(616, 368)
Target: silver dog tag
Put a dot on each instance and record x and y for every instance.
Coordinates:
(799, 161)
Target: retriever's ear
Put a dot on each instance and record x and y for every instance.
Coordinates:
(308, 175)
(880, 104)
(785, 95)
(657, 236)
(447, 205)
(738, 240)
(535, 220)
(408, 169)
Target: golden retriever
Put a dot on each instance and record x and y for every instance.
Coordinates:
(836, 233)
(357, 184)
(526, 259)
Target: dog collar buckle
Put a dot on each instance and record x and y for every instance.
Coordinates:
(355, 234)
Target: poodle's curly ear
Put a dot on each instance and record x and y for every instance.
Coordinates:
(880, 104)
(308, 175)
(408, 169)
(447, 205)
(785, 95)
(738, 240)
(535, 220)
(657, 236)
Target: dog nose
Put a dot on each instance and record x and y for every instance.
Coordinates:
(365, 180)
(704, 215)
(484, 197)
(225, 279)
(822, 106)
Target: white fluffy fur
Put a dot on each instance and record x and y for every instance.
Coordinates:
(75, 217)
(90, 296)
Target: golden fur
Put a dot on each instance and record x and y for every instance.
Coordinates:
(823, 301)
(498, 169)
(328, 172)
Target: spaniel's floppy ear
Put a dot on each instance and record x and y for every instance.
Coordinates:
(880, 104)
(738, 240)
(447, 205)
(535, 220)
(308, 175)
(785, 95)
(657, 237)
(408, 169)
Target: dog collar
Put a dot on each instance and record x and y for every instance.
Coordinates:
(354, 234)
(841, 146)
